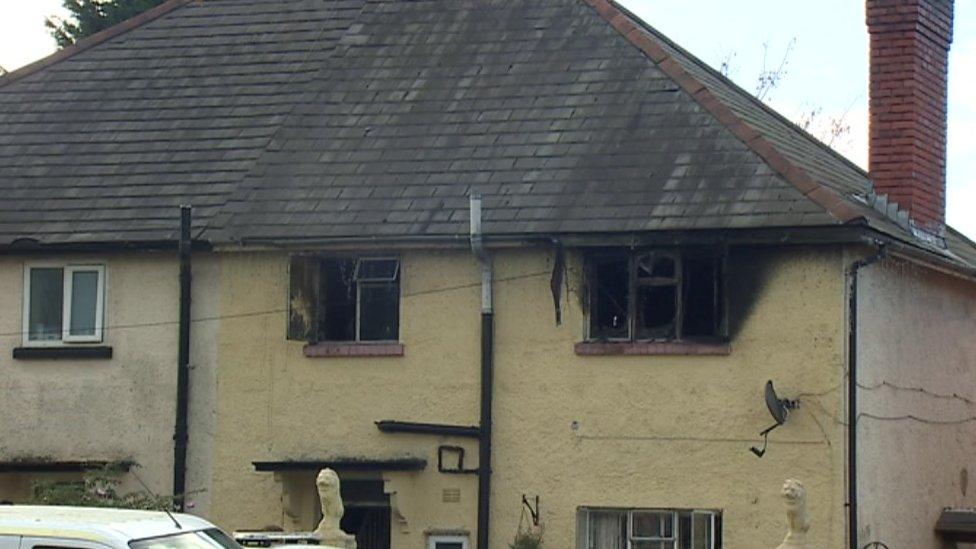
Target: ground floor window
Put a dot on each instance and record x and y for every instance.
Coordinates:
(447, 542)
(649, 529)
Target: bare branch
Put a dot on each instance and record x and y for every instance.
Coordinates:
(769, 79)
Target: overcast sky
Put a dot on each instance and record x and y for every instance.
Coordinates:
(824, 43)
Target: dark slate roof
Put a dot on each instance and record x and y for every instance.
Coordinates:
(321, 119)
(549, 112)
(106, 143)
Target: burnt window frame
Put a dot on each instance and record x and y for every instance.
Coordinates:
(314, 267)
(680, 255)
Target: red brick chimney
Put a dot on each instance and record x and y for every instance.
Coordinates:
(909, 65)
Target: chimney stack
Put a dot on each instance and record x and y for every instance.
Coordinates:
(909, 68)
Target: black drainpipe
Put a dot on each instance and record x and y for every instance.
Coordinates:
(484, 448)
(852, 395)
(180, 437)
(487, 372)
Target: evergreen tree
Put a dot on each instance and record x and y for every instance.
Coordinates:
(90, 16)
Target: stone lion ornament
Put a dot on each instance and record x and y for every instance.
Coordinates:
(797, 518)
(329, 530)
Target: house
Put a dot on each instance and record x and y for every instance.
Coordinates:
(502, 265)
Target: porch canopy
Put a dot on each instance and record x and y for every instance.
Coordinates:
(56, 466)
(344, 464)
(958, 525)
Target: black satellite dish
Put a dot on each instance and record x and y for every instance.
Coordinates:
(779, 408)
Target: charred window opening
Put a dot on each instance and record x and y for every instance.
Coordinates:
(656, 295)
(344, 299)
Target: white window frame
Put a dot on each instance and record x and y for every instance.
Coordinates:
(364, 282)
(67, 270)
(584, 529)
(433, 540)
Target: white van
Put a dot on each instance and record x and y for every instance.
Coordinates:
(50, 527)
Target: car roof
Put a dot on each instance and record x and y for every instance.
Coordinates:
(105, 525)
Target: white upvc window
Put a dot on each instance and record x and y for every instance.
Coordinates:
(649, 529)
(447, 542)
(63, 304)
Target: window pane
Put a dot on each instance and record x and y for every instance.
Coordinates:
(657, 307)
(608, 530)
(46, 304)
(684, 530)
(643, 544)
(378, 312)
(655, 265)
(610, 292)
(702, 538)
(653, 525)
(701, 317)
(84, 297)
(337, 301)
(377, 270)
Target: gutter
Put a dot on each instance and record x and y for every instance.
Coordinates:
(828, 234)
(181, 435)
(852, 521)
(487, 371)
(926, 258)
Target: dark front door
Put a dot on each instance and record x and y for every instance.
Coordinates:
(367, 513)
(371, 526)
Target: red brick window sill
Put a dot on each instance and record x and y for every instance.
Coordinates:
(643, 348)
(352, 349)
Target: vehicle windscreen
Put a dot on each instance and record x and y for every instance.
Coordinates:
(211, 538)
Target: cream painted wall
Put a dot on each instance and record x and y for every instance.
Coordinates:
(916, 329)
(275, 404)
(654, 431)
(118, 408)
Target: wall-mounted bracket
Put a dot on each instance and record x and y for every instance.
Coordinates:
(459, 452)
(533, 511)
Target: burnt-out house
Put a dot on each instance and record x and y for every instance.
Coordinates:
(506, 266)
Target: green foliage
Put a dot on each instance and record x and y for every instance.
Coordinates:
(100, 488)
(90, 16)
(527, 540)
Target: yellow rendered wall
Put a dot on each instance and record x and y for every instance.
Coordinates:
(653, 431)
(275, 404)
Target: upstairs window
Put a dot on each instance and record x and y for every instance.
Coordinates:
(656, 295)
(649, 529)
(63, 304)
(353, 299)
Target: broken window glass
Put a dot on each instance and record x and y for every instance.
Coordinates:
(656, 295)
(657, 310)
(701, 294)
(337, 300)
(378, 312)
(377, 269)
(611, 296)
(344, 299)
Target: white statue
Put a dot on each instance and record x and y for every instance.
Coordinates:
(797, 519)
(329, 530)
